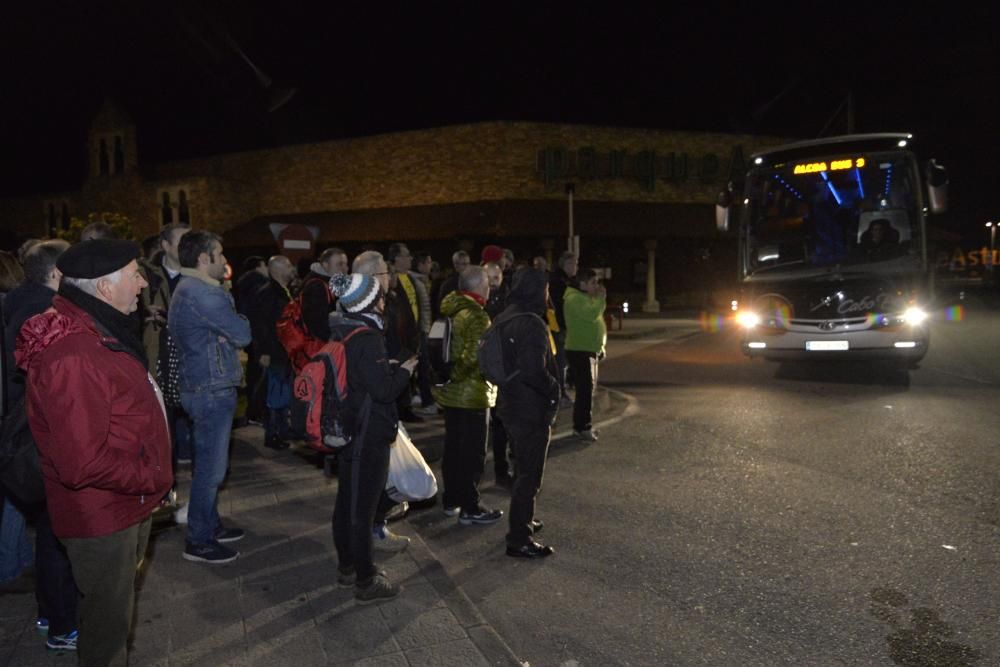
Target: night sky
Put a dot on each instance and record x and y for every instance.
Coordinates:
(769, 68)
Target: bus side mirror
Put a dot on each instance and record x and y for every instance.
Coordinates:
(722, 205)
(937, 186)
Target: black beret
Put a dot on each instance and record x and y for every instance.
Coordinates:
(97, 257)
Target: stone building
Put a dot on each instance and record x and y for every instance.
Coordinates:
(642, 199)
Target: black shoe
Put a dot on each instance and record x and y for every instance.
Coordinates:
(505, 480)
(537, 525)
(480, 517)
(530, 550)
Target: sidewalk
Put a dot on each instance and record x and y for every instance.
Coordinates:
(278, 604)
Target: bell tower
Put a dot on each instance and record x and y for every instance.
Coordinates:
(111, 143)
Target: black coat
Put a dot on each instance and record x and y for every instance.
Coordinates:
(23, 302)
(370, 374)
(530, 399)
(268, 303)
(317, 304)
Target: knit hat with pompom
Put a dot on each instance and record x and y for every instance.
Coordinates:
(357, 292)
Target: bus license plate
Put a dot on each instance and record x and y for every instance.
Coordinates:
(826, 345)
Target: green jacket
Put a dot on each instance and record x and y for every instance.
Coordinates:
(585, 329)
(466, 389)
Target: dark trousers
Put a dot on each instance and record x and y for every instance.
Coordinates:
(256, 387)
(464, 455)
(559, 338)
(105, 569)
(499, 442)
(530, 447)
(362, 475)
(425, 373)
(584, 367)
(55, 589)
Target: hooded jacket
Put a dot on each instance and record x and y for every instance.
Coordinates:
(530, 399)
(466, 388)
(98, 420)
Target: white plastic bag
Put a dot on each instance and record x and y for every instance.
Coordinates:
(410, 478)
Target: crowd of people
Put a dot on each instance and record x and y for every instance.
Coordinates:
(130, 365)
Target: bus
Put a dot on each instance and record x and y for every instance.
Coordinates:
(833, 258)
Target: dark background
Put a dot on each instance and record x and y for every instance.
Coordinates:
(769, 68)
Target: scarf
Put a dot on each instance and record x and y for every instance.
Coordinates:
(108, 320)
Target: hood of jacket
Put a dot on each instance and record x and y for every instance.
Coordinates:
(43, 330)
(528, 291)
(456, 302)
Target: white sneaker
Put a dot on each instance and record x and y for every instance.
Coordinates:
(181, 514)
(430, 410)
(452, 511)
(384, 539)
(588, 435)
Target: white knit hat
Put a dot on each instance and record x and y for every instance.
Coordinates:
(357, 291)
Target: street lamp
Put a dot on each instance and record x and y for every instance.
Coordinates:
(993, 236)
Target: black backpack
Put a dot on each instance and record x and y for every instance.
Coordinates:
(439, 349)
(20, 471)
(491, 353)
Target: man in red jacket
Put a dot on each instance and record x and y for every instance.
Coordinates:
(101, 427)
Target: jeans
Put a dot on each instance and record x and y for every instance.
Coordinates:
(464, 455)
(15, 547)
(584, 366)
(362, 473)
(212, 416)
(530, 447)
(105, 569)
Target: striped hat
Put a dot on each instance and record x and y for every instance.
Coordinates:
(357, 292)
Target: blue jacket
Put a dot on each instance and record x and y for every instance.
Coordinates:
(208, 333)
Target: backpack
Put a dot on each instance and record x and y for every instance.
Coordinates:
(20, 471)
(319, 396)
(491, 355)
(293, 335)
(439, 348)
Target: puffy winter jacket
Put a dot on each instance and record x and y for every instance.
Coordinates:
(466, 388)
(98, 420)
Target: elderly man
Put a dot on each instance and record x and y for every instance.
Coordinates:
(208, 332)
(467, 399)
(269, 302)
(101, 428)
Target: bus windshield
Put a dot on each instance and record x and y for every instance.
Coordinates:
(848, 210)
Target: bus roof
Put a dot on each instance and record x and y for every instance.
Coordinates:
(847, 143)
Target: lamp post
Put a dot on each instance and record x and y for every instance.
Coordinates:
(993, 235)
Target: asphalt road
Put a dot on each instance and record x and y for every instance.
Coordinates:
(761, 514)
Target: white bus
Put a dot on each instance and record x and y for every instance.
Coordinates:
(833, 259)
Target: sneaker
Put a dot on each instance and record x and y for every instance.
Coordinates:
(430, 410)
(66, 642)
(481, 517)
(42, 626)
(213, 553)
(376, 589)
(384, 539)
(587, 435)
(181, 515)
(226, 535)
(452, 511)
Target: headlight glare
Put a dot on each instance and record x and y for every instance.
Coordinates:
(914, 315)
(747, 319)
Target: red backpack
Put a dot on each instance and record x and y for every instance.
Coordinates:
(293, 334)
(319, 395)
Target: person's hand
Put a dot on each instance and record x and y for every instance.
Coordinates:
(265, 360)
(410, 364)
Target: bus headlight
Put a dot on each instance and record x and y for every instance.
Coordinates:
(747, 319)
(914, 315)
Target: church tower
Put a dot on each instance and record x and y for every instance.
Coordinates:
(111, 143)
